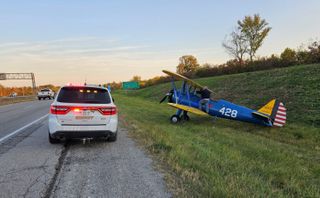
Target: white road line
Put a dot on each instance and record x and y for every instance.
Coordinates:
(22, 128)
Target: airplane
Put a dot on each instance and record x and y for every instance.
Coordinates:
(189, 99)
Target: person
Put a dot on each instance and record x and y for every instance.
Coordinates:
(205, 94)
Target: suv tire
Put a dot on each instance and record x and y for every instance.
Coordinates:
(113, 138)
(53, 140)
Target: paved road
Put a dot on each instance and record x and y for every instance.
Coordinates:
(31, 167)
(15, 116)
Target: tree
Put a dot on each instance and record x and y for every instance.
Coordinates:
(236, 45)
(289, 56)
(187, 64)
(314, 51)
(2, 90)
(309, 53)
(255, 30)
(136, 78)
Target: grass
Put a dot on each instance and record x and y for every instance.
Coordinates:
(6, 100)
(222, 158)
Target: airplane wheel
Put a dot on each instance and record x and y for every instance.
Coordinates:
(174, 119)
(186, 117)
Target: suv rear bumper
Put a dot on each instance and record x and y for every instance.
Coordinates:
(56, 128)
(81, 134)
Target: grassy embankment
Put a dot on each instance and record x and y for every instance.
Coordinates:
(216, 157)
(7, 100)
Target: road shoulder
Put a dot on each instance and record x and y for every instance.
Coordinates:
(104, 169)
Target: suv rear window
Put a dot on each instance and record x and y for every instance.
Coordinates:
(84, 95)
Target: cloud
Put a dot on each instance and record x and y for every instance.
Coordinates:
(59, 46)
(102, 50)
(99, 59)
(12, 44)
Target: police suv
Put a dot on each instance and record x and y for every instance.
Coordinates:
(83, 111)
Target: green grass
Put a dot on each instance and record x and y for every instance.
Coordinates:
(216, 157)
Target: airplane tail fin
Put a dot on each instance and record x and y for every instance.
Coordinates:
(275, 111)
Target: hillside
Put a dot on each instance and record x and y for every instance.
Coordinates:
(216, 157)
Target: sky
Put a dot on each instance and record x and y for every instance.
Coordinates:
(103, 41)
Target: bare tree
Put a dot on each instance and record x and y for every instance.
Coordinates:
(236, 45)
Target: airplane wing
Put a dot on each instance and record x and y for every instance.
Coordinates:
(180, 77)
(188, 109)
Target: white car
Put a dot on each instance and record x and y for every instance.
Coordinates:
(45, 93)
(13, 95)
(86, 111)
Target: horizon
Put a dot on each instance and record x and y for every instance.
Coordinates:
(102, 42)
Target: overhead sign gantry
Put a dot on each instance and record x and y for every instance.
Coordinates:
(20, 76)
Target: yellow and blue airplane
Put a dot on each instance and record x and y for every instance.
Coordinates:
(195, 98)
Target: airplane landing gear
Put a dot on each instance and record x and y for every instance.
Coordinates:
(185, 116)
(180, 115)
(175, 119)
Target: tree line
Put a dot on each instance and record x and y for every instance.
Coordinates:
(189, 66)
(25, 90)
(242, 45)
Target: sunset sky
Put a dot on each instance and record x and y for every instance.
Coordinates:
(102, 41)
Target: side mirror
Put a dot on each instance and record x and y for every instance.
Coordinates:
(112, 99)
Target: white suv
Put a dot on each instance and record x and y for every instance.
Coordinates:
(83, 112)
(45, 93)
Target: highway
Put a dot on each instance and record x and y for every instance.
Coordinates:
(32, 167)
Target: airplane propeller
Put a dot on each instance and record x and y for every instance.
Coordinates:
(168, 95)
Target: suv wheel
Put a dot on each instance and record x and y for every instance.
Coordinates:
(53, 140)
(113, 137)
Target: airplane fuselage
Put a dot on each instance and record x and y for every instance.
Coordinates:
(219, 108)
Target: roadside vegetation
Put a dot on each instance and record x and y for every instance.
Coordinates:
(24, 91)
(210, 157)
(242, 45)
(7, 100)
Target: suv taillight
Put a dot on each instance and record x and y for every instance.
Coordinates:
(59, 110)
(108, 110)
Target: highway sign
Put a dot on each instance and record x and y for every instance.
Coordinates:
(130, 85)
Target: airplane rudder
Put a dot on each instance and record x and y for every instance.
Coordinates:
(279, 115)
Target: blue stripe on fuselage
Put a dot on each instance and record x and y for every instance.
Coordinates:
(223, 109)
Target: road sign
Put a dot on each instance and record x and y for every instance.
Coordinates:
(130, 85)
(20, 76)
